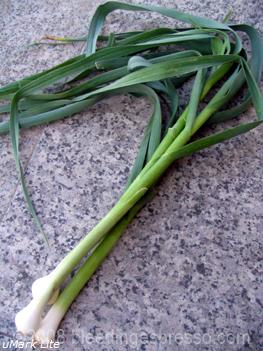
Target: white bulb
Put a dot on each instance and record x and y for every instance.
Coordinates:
(28, 319)
(48, 326)
(42, 284)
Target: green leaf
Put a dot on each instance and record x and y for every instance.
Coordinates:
(152, 134)
(211, 140)
(255, 63)
(104, 9)
(164, 70)
(253, 90)
(195, 98)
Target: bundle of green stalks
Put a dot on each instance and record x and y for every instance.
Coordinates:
(154, 64)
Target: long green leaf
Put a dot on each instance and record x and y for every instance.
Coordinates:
(103, 10)
(211, 140)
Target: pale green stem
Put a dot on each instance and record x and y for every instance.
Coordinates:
(94, 236)
(159, 166)
(136, 190)
(174, 131)
(174, 140)
(92, 263)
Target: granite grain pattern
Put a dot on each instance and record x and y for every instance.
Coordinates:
(191, 262)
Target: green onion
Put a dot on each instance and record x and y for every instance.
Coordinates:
(154, 64)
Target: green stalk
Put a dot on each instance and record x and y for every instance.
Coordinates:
(173, 132)
(94, 261)
(95, 235)
(136, 191)
(98, 255)
(83, 275)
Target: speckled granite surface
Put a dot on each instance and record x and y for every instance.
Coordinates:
(187, 275)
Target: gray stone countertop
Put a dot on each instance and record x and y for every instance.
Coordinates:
(190, 265)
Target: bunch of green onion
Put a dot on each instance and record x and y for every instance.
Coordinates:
(154, 64)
